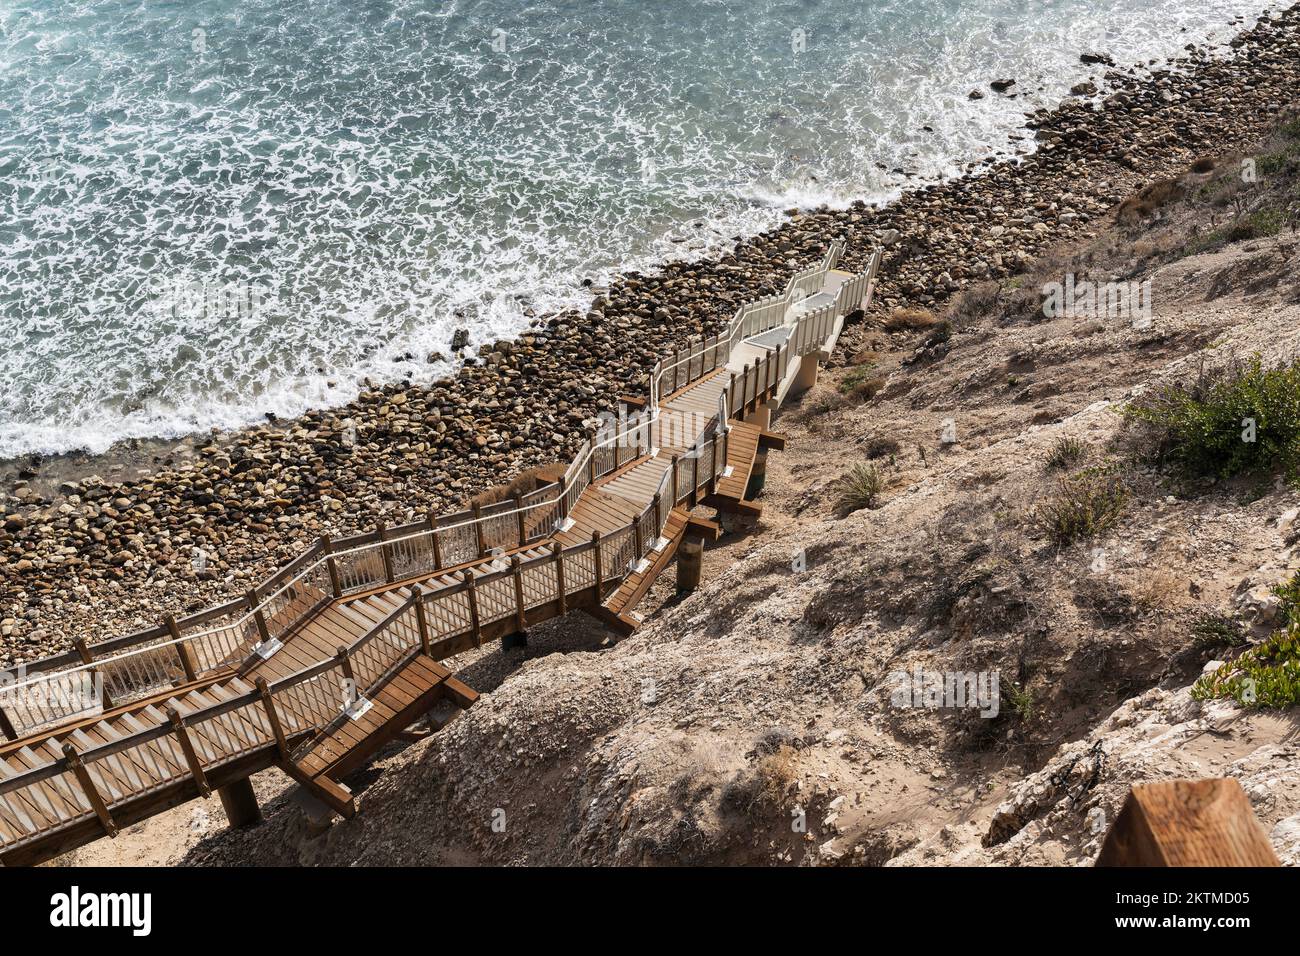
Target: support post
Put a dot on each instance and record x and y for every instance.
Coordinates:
(240, 803)
(6, 726)
(519, 519)
(1187, 823)
(336, 582)
(600, 576)
(690, 561)
(757, 476)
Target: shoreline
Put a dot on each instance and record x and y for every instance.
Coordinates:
(76, 554)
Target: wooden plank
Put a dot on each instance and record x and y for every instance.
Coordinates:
(1187, 823)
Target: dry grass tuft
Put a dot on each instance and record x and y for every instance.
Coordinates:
(859, 488)
(907, 319)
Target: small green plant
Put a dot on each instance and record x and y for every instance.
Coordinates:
(1259, 224)
(859, 488)
(1288, 600)
(1238, 421)
(861, 382)
(1019, 699)
(1267, 675)
(1066, 452)
(1212, 631)
(1082, 506)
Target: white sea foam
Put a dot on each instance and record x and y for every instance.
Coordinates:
(382, 177)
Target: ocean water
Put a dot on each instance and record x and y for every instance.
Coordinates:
(215, 209)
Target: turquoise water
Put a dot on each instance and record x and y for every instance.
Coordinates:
(217, 209)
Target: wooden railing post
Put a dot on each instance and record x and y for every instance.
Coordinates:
(273, 717)
(731, 395)
(422, 619)
(677, 497)
(600, 577)
(517, 574)
(659, 514)
(557, 552)
(6, 726)
(182, 649)
(437, 540)
(637, 543)
(259, 618)
(96, 799)
(336, 582)
(519, 518)
(677, 367)
(187, 747)
(341, 657)
(472, 594)
(83, 650)
(385, 553)
(695, 477)
(713, 464)
(478, 529)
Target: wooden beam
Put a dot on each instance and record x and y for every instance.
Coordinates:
(334, 795)
(703, 528)
(1187, 823)
(735, 506)
(771, 440)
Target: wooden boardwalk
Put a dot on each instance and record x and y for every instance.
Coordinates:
(339, 652)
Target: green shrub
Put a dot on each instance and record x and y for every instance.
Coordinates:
(1267, 675)
(1066, 452)
(862, 382)
(859, 488)
(1288, 600)
(1259, 224)
(1211, 631)
(1206, 429)
(1019, 699)
(1082, 506)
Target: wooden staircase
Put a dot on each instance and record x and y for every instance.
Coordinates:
(337, 654)
(405, 696)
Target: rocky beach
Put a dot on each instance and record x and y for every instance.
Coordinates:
(82, 555)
